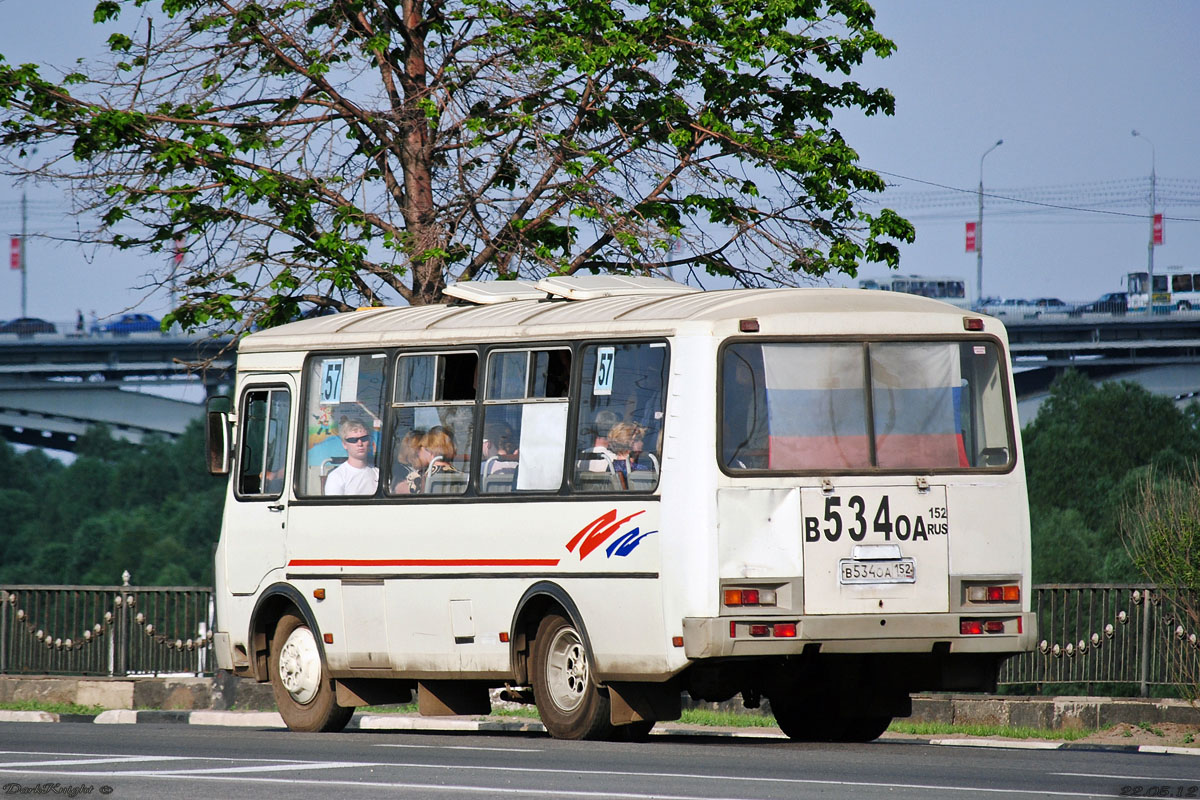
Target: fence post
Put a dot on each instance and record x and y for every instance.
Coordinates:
(1144, 671)
(3, 631)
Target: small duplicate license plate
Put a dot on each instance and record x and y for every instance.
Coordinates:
(901, 570)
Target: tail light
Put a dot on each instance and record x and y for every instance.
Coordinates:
(749, 597)
(1003, 593)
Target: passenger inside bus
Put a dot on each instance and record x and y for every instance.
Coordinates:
(435, 453)
(356, 475)
(623, 438)
(407, 470)
(599, 457)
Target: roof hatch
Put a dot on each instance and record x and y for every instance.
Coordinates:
(591, 287)
(486, 293)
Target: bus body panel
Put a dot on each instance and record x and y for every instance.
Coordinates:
(427, 587)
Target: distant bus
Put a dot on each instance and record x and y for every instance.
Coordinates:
(939, 287)
(1173, 291)
(601, 492)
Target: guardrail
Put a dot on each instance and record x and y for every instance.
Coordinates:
(116, 631)
(1090, 634)
(1110, 634)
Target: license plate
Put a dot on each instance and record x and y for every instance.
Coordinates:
(901, 570)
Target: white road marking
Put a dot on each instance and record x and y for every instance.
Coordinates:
(462, 747)
(553, 792)
(81, 761)
(1125, 777)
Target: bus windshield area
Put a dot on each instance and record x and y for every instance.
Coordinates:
(821, 406)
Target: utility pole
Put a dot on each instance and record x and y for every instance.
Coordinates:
(979, 231)
(24, 267)
(1150, 245)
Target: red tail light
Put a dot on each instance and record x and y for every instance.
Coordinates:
(785, 630)
(970, 627)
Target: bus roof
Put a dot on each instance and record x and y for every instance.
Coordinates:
(623, 312)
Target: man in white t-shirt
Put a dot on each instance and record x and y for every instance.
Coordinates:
(355, 475)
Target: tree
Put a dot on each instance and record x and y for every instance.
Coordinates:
(1161, 528)
(334, 153)
(1086, 453)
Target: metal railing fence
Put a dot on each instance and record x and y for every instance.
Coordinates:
(1111, 634)
(106, 630)
(1088, 634)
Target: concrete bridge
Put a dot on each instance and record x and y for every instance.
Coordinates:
(53, 386)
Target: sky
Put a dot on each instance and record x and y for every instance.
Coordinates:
(1066, 195)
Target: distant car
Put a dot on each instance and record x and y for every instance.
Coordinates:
(131, 323)
(1050, 304)
(26, 326)
(1109, 303)
(1010, 307)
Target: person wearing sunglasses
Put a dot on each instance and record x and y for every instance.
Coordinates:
(356, 475)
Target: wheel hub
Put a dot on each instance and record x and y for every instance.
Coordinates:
(567, 670)
(300, 666)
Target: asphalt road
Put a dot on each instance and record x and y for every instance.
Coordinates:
(156, 761)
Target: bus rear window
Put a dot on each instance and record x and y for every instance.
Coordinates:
(864, 405)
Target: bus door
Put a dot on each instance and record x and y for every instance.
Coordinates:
(256, 519)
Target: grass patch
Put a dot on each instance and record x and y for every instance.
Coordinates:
(725, 719)
(992, 731)
(52, 708)
(399, 708)
(524, 712)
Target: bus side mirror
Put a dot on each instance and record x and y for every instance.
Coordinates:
(217, 435)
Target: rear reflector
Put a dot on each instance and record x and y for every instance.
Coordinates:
(994, 626)
(677, 641)
(760, 630)
(504, 636)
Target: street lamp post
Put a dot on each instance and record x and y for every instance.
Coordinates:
(1150, 245)
(979, 230)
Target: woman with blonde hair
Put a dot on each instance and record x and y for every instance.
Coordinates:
(623, 438)
(408, 460)
(436, 450)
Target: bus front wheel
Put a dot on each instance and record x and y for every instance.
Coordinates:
(569, 703)
(303, 691)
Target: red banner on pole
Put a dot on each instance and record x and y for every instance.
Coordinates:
(1158, 229)
(15, 256)
(970, 237)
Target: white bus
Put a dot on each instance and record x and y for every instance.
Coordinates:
(940, 287)
(603, 492)
(1175, 290)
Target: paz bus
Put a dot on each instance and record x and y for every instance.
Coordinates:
(601, 493)
(946, 288)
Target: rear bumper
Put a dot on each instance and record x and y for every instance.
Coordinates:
(712, 637)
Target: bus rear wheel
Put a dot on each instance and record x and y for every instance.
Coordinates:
(569, 703)
(303, 691)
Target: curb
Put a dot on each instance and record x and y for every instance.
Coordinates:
(400, 722)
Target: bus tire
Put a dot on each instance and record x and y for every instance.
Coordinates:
(800, 721)
(303, 690)
(569, 703)
(863, 729)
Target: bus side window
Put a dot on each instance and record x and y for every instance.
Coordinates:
(263, 451)
(623, 388)
(524, 420)
(343, 391)
(433, 423)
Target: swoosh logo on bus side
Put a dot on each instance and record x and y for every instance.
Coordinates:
(599, 530)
